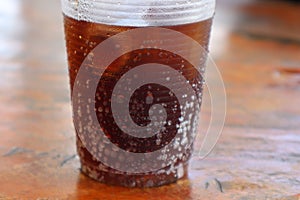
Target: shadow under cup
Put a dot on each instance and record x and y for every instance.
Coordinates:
(136, 91)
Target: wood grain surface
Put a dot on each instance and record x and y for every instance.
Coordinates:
(256, 45)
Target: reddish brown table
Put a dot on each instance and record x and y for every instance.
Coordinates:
(256, 45)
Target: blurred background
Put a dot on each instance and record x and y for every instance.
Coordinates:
(256, 45)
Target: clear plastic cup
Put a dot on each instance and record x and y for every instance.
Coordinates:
(136, 76)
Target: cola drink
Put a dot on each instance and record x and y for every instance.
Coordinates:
(81, 38)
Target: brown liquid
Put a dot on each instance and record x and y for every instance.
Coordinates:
(81, 38)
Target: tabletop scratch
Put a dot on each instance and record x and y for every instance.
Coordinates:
(219, 184)
(67, 159)
(214, 183)
(274, 38)
(15, 150)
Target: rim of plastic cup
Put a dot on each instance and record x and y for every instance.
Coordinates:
(139, 13)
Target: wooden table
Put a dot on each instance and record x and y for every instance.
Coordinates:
(256, 45)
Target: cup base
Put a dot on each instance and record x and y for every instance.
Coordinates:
(101, 173)
(136, 180)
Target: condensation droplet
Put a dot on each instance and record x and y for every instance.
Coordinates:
(158, 141)
(161, 54)
(149, 99)
(181, 119)
(120, 99)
